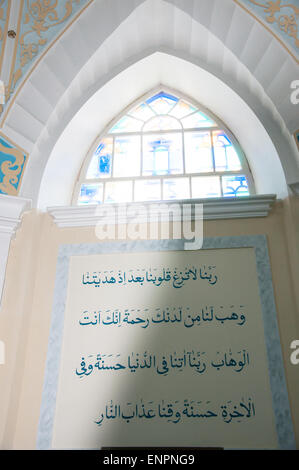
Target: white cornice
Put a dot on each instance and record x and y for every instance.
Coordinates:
(216, 208)
(11, 210)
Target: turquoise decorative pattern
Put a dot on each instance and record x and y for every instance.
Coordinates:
(282, 16)
(12, 163)
(41, 22)
(3, 25)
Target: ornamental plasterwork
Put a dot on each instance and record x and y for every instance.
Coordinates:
(281, 15)
(4, 14)
(12, 163)
(40, 22)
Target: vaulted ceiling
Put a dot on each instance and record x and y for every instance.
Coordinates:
(64, 52)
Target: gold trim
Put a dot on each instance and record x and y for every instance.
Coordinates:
(21, 158)
(5, 33)
(13, 143)
(12, 74)
(12, 100)
(287, 23)
(268, 29)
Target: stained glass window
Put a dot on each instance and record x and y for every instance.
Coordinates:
(148, 190)
(198, 152)
(126, 156)
(226, 157)
(176, 188)
(234, 186)
(100, 165)
(91, 194)
(164, 147)
(162, 154)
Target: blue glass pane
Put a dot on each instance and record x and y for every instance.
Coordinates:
(100, 165)
(235, 186)
(162, 102)
(163, 95)
(91, 194)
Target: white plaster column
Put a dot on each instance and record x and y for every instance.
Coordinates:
(11, 210)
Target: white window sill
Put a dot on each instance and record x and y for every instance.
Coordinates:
(214, 208)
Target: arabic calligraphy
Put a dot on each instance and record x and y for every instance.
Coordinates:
(153, 276)
(167, 315)
(177, 411)
(164, 363)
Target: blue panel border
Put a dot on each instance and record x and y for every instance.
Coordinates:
(281, 408)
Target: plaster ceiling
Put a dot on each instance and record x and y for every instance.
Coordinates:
(102, 39)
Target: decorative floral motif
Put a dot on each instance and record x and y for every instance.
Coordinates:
(287, 21)
(3, 25)
(12, 161)
(3, 8)
(1, 19)
(41, 21)
(41, 15)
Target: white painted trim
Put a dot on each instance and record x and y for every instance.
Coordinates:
(11, 210)
(217, 208)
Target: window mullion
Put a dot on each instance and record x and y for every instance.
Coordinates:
(141, 155)
(221, 185)
(177, 175)
(104, 191)
(169, 131)
(213, 153)
(113, 156)
(133, 190)
(183, 147)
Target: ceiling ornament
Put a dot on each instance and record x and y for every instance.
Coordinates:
(282, 14)
(12, 163)
(4, 16)
(40, 23)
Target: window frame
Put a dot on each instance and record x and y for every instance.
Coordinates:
(245, 168)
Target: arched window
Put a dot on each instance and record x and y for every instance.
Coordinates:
(164, 147)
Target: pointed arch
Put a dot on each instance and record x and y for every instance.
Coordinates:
(163, 146)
